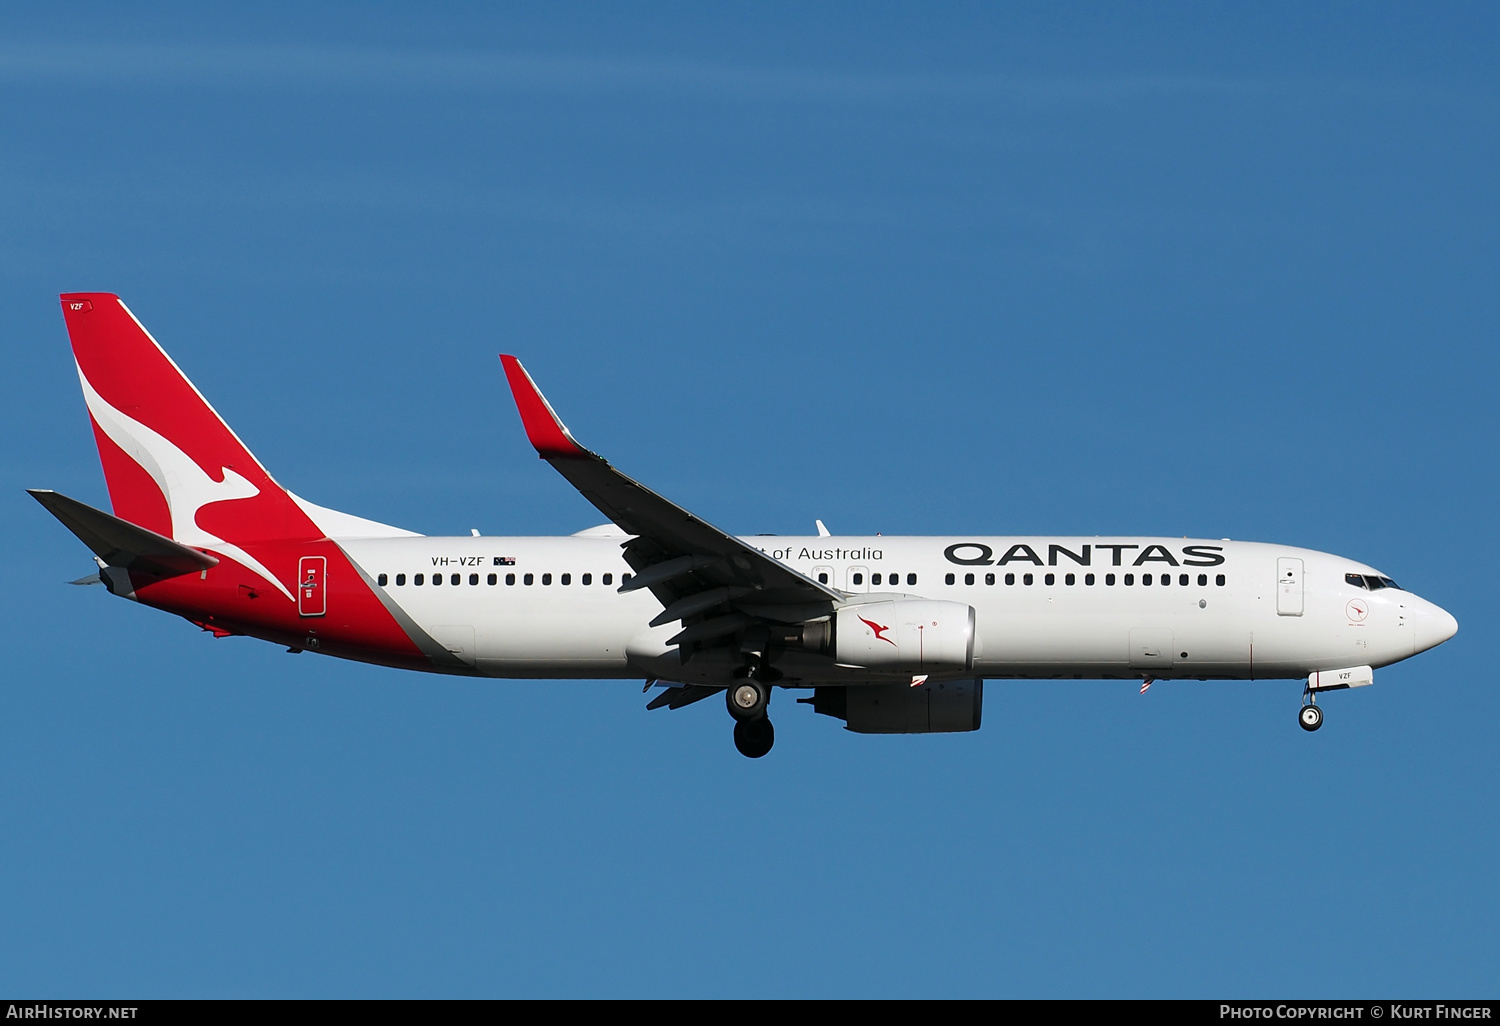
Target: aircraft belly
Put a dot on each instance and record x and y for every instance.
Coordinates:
(1114, 645)
(538, 640)
(515, 634)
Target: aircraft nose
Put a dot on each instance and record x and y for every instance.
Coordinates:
(1434, 625)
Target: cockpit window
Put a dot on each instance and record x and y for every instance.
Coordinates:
(1391, 584)
(1357, 580)
(1374, 583)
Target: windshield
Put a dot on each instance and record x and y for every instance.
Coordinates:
(1371, 582)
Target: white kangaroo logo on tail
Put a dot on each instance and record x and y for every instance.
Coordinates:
(183, 483)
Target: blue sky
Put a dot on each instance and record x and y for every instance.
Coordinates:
(1210, 271)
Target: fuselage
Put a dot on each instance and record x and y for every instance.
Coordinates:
(1044, 607)
(200, 528)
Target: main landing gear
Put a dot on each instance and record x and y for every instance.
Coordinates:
(1311, 717)
(747, 699)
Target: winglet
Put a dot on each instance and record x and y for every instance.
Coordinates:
(543, 427)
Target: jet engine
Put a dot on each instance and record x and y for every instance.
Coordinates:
(916, 635)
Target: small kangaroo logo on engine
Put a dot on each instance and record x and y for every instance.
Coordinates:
(877, 628)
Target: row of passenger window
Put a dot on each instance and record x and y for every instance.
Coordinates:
(1183, 580)
(510, 579)
(855, 580)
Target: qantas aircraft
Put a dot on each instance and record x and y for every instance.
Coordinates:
(890, 635)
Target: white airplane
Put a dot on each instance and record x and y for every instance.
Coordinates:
(891, 635)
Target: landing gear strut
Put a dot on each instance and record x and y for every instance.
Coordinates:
(1311, 717)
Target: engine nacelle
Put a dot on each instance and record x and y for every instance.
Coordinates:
(937, 707)
(916, 635)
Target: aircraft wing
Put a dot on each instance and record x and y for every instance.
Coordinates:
(698, 572)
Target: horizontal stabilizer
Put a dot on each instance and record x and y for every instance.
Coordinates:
(121, 543)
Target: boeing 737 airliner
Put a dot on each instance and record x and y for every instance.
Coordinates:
(890, 635)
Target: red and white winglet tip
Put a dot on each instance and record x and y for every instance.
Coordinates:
(544, 428)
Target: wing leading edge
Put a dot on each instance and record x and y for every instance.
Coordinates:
(703, 576)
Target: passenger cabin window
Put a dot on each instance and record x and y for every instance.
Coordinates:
(948, 578)
(528, 580)
(858, 579)
(1109, 580)
(1088, 579)
(989, 578)
(473, 579)
(1203, 580)
(1182, 579)
(822, 578)
(546, 579)
(607, 579)
(624, 578)
(492, 579)
(1145, 580)
(1070, 580)
(911, 578)
(381, 580)
(874, 578)
(968, 578)
(1050, 580)
(1027, 579)
(586, 580)
(1010, 578)
(417, 579)
(1219, 580)
(510, 579)
(437, 579)
(567, 578)
(1129, 580)
(400, 579)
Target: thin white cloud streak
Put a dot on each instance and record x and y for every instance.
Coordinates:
(301, 67)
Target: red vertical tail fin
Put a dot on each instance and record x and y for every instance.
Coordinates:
(170, 461)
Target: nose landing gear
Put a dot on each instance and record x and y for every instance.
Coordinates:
(1311, 717)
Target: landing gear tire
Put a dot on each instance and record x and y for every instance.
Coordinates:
(747, 699)
(1311, 717)
(754, 738)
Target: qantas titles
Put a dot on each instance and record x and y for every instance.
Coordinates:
(980, 554)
